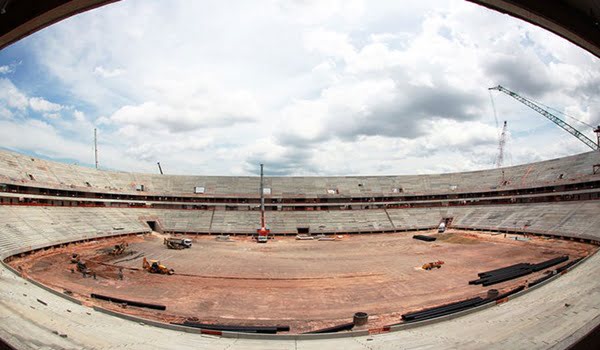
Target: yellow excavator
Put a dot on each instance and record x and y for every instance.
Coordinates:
(154, 266)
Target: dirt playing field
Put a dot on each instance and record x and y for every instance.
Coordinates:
(307, 285)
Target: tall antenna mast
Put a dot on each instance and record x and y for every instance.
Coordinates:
(96, 147)
(262, 198)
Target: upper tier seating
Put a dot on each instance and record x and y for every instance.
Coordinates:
(21, 169)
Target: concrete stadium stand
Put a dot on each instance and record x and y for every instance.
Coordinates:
(16, 168)
(32, 316)
(35, 226)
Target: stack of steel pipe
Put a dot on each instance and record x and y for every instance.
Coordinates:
(507, 273)
(549, 263)
(128, 302)
(503, 269)
(503, 274)
(424, 238)
(506, 276)
(242, 329)
(443, 310)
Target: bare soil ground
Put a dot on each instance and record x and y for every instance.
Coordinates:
(307, 285)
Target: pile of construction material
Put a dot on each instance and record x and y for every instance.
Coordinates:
(492, 277)
(304, 238)
(507, 273)
(327, 238)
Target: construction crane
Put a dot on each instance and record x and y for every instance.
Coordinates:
(263, 231)
(556, 120)
(501, 143)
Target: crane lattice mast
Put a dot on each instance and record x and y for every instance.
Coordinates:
(556, 120)
(501, 143)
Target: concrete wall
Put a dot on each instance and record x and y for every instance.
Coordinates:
(29, 227)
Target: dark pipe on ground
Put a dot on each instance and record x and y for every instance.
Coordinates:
(424, 238)
(503, 278)
(448, 309)
(241, 329)
(503, 269)
(128, 302)
(502, 273)
(431, 312)
(549, 263)
(507, 273)
(449, 312)
(334, 329)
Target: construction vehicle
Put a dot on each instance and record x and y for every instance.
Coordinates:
(154, 266)
(119, 248)
(431, 265)
(82, 267)
(75, 258)
(177, 243)
(442, 227)
(262, 233)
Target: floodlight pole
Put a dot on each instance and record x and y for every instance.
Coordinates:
(96, 147)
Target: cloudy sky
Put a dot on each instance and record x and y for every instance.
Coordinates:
(307, 87)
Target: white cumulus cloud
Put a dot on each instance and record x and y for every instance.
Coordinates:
(39, 104)
(308, 87)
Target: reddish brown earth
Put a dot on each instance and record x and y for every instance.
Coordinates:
(307, 285)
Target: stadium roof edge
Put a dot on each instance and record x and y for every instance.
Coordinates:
(575, 20)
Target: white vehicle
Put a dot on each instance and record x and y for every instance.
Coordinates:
(442, 227)
(178, 243)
